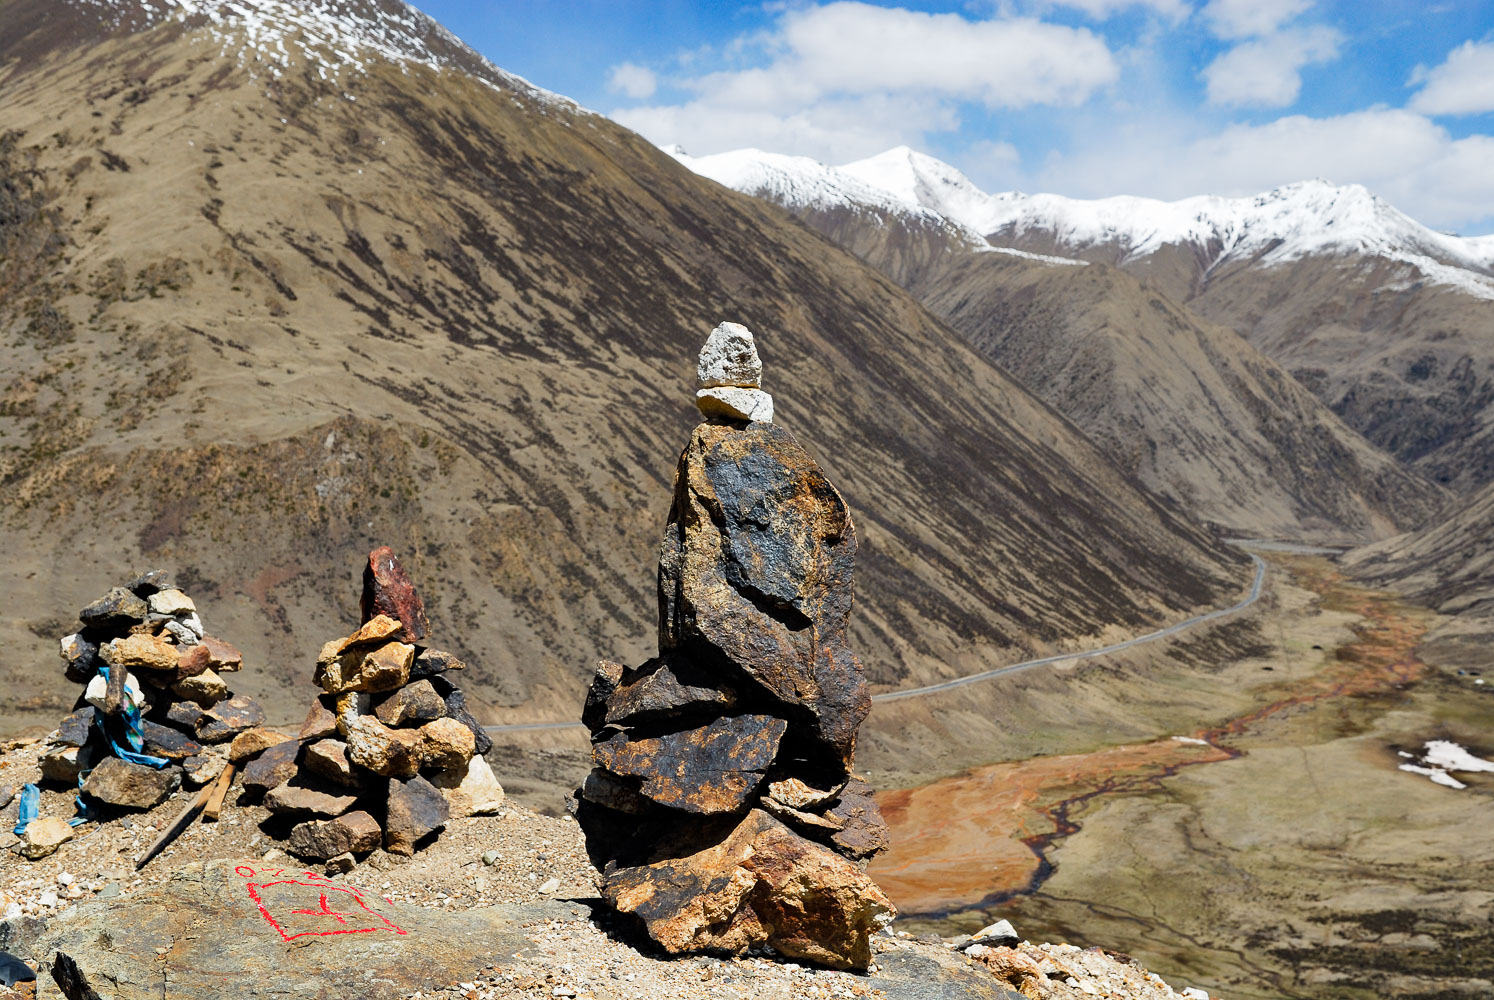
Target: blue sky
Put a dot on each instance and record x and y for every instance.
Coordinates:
(1165, 98)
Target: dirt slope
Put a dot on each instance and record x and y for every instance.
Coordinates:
(267, 300)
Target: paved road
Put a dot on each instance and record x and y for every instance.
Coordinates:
(949, 685)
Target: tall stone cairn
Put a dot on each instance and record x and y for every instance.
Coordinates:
(722, 809)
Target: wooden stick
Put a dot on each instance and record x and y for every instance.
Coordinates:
(177, 826)
(220, 789)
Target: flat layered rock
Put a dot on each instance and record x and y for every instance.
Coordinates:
(228, 718)
(430, 662)
(168, 742)
(230, 930)
(711, 769)
(660, 690)
(253, 742)
(387, 590)
(118, 609)
(329, 759)
(300, 797)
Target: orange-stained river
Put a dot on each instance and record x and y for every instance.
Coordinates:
(984, 835)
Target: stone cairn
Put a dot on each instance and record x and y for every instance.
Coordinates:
(389, 752)
(722, 809)
(154, 699)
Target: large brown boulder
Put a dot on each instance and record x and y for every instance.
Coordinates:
(762, 884)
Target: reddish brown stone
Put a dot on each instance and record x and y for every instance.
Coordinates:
(387, 590)
(222, 656)
(321, 720)
(863, 831)
(712, 769)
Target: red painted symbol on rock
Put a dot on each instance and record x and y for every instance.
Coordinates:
(282, 896)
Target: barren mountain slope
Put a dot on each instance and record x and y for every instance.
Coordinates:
(281, 284)
(1188, 407)
(1448, 565)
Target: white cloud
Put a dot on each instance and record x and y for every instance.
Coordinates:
(831, 78)
(1402, 156)
(632, 80)
(1267, 72)
(1462, 85)
(1247, 18)
(1100, 10)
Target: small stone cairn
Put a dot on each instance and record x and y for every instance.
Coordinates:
(722, 809)
(153, 688)
(389, 752)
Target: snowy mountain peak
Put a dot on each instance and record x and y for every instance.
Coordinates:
(326, 37)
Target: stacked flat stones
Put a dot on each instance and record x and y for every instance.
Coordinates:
(722, 809)
(731, 377)
(160, 659)
(389, 752)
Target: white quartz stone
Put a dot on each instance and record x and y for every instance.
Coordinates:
(732, 403)
(729, 358)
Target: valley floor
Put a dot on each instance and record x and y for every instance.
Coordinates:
(1266, 841)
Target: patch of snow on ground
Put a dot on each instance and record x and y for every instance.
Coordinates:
(1441, 756)
(1449, 755)
(1192, 739)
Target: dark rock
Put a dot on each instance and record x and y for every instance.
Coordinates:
(80, 658)
(354, 832)
(165, 741)
(230, 930)
(307, 797)
(416, 808)
(13, 970)
(184, 715)
(430, 662)
(387, 590)
(273, 767)
(7, 792)
(414, 702)
(863, 831)
(74, 729)
(150, 582)
(755, 575)
(660, 690)
(227, 719)
(456, 708)
(131, 786)
(117, 610)
(711, 769)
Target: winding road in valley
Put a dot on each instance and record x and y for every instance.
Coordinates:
(1256, 587)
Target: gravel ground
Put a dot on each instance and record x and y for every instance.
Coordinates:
(516, 856)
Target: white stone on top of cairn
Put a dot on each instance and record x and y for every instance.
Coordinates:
(729, 358)
(731, 377)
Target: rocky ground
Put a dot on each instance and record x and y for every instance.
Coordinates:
(525, 872)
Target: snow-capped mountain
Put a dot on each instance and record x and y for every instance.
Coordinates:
(327, 37)
(1309, 218)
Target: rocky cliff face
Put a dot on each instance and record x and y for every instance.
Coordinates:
(267, 312)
